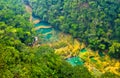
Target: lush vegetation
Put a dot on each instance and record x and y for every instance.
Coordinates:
(109, 75)
(14, 25)
(17, 59)
(94, 22)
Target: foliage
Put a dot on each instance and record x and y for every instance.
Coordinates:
(109, 75)
(114, 50)
(95, 22)
(92, 21)
(17, 60)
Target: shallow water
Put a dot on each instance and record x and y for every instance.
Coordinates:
(83, 50)
(42, 23)
(43, 30)
(44, 38)
(75, 61)
(44, 34)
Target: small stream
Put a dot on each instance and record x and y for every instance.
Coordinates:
(49, 35)
(46, 35)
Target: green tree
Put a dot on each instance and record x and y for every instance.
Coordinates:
(114, 50)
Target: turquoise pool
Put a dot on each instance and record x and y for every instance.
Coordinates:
(83, 50)
(42, 31)
(75, 61)
(42, 23)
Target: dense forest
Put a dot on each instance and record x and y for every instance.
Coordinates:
(94, 22)
(17, 59)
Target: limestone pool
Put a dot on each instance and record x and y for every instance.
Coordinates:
(75, 61)
(42, 23)
(44, 34)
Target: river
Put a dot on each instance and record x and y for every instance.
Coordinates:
(65, 46)
(62, 43)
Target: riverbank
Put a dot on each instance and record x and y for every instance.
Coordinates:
(36, 21)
